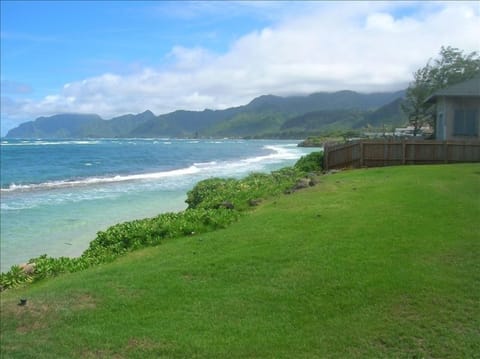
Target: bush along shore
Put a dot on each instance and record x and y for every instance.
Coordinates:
(212, 204)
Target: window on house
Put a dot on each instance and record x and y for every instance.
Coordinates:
(465, 122)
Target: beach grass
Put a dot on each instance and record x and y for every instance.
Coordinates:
(369, 263)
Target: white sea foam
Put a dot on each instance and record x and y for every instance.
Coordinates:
(49, 143)
(99, 180)
(205, 164)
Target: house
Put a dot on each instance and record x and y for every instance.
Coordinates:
(457, 111)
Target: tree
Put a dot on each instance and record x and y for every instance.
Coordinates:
(451, 67)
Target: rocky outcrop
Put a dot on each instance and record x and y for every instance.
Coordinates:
(28, 268)
(301, 184)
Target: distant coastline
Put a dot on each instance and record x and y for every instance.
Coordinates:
(265, 117)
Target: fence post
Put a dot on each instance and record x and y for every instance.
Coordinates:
(404, 152)
(445, 151)
(385, 152)
(325, 157)
(361, 154)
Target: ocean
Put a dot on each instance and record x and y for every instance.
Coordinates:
(57, 194)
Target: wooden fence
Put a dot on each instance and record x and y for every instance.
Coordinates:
(374, 153)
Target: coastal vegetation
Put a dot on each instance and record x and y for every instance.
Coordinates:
(119, 240)
(212, 204)
(368, 263)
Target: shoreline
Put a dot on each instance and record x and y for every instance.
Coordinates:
(73, 239)
(213, 203)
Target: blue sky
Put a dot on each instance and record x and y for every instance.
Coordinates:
(113, 58)
(75, 40)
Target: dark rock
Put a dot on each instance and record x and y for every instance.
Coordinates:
(227, 205)
(28, 268)
(301, 183)
(254, 202)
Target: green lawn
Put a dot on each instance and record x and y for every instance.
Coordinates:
(370, 263)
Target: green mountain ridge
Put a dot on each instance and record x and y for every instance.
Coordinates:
(264, 116)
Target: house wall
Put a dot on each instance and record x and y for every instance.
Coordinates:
(446, 107)
(440, 125)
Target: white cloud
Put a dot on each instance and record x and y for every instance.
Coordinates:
(358, 46)
(186, 59)
(380, 22)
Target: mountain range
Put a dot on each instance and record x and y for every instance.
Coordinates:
(265, 117)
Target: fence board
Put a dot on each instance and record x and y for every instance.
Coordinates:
(396, 152)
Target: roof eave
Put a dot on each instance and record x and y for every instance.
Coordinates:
(434, 96)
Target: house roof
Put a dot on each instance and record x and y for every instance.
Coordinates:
(469, 88)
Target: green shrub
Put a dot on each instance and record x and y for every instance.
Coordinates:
(313, 162)
(214, 192)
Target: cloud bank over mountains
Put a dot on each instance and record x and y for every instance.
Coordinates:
(366, 47)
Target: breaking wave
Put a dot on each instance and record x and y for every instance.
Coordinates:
(204, 169)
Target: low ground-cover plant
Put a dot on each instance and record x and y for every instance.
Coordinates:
(151, 231)
(212, 204)
(120, 239)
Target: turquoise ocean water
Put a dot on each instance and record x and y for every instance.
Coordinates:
(56, 194)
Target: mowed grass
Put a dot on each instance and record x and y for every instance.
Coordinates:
(371, 263)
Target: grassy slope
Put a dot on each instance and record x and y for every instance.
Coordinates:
(369, 263)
